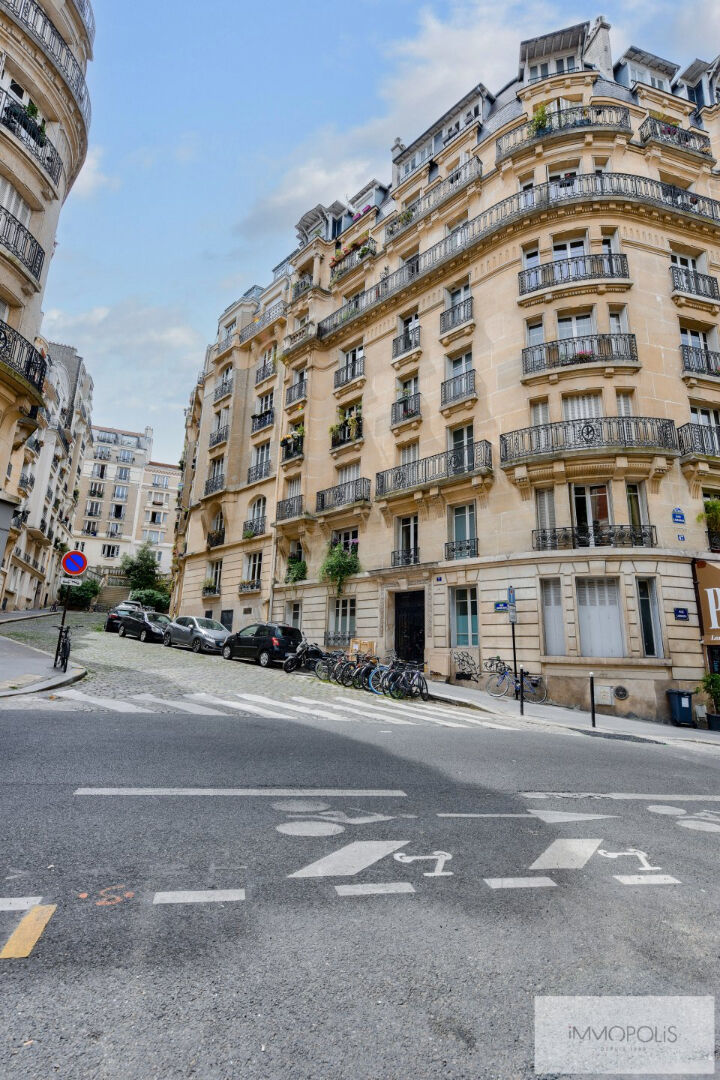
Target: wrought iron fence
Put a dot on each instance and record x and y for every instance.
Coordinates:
(406, 556)
(264, 371)
(343, 494)
(406, 342)
(461, 549)
(289, 508)
(262, 420)
(260, 471)
(348, 432)
(276, 311)
(296, 392)
(292, 447)
(354, 369)
(569, 271)
(456, 315)
(219, 435)
(460, 386)
(700, 361)
(469, 458)
(700, 440)
(551, 122)
(254, 526)
(224, 388)
(690, 281)
(588, 349)
(593, 433)
(17, 352)
(674, 136)
(16, 118)
(405, 409)
(215, 483)
(596, 535)
(457, 180)
(20, 242)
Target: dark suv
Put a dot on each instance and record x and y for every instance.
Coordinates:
(146, 625)
(266, 643)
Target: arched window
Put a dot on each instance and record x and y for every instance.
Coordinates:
(258, 508)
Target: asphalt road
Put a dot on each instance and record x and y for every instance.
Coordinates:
(303, 971)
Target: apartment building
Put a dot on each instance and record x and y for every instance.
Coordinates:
(45, 47)
(500, 368)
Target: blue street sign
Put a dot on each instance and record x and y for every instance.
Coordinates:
(511, 594)
(682, 614)
(678, 516)
(681, 538)
(501, 606)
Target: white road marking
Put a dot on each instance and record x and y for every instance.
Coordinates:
(200, 896)
(558, 817)
(520, 882)
(285, 793)
(486, 815)
(182, 706)
(646, 879)
(285, 705)
(19, 903)
(113, 704)
(375, 890)
(350, 859)
(370, 712)
(237, 706)
(618, 796)
(566, 855)
(388, 710)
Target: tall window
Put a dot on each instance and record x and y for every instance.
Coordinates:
(458, 365)
(348, 538)
(463, 616)
(599, 617)
(253, 566)
(13, 202)
(125, 455)
(215, 573)
(122, 473)
(583, 406)
(352, 361)
(545, 508)
(463, 522)
(342, 616)
(92, 509)
(637, 504)
(120, 491)
(261, 453)
(407, 529)
(293, 613)
(552, 611)
(258, 508)
(110, 551)
(348, 473)
(649, 617)
(160, 480)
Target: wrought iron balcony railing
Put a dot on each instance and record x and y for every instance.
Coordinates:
(461, 549)
(456, 315)
(277, 311)
(289, 508)
(367, 249)
(588, 187)
(699, 440)
(673, 135)
(17, 353)
(262, 420)
(700, 361)
(595, 434)
(407, 408)
(589, 349)
(223, 389)
(264, 371)
(470, 458)
(26, 481)
(355, 369)
(15, 117)
(219, 435)
(254, 585)
(292, 447)
(406, 557)
(212, 590)
(85, 12)
(299, 337)
(596, 535)
(457, 388)
(258, 472)
(343, 495)
(296, 392)
(571, 271)
(457, 180)
(20, 242)
(96, 491)
(338, 639)
(690, 281)
(713, 540)
(405, 343)
(254, 526)
(216, 538)
(551, 122)
(347, 433)
(302, 285)
(215, 483)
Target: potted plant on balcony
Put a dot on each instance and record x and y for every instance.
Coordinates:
(296, 570)
(299, 431)
(711, 517)
(209, 586)
(334, 430)
(710, 686)
(540, 123)
(339, 564)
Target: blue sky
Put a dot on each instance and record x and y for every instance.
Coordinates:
(215, 127)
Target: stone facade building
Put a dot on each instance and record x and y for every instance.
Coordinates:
(502, 368)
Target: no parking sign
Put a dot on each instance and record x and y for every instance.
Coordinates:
(74, 563)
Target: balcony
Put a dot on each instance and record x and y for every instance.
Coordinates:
(16, 239)
(699, 440)
(405, 345)
(264, 371)
(215, 483)
(451, 465)
(254, 526)
(551, 122)
(299, 337)
(18, 354)
(338, 639)
(565, 272)
(700, 361)
(353, 259)
(459, 388)
(216, 538)
(652, 130)
(569, 537)
(219, 436)
(277, 311)
(289, 508)
(435, 197)
(89, 532)
(713, 539)
(348, 432)
(595, 435)
(263, 420)
(260, 471)
(292, 447)
(461, 549)
(225, 388)
(407, 408)
(211, 590)
(301, 286)
(85, 12)
(26, 481)
(405, 557)
(613, 350)
(349, 373)
(456, 316)
(16, 118)
(250, 586)
(225, 344)
(296, 392)
(692, 283)
(343, 495)
(96, 491)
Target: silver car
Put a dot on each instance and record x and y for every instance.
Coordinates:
(196, 633)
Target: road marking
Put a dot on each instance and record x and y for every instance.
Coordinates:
(302, 709)
(486, 815)
(646, 879)
(237, 706)
(371, 712)
(350, 705)
(520, 882)
(566, 855)
(375, 890)
(199, 896)
(617, 795)
(284, 793)
(387, 710)
(25, 937)
(18, 903)
(183, 706)
(558, 817)
(350, 859)
(113, 704)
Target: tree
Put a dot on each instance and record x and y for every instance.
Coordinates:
(142, 569)
(80, 596)
(157, 599)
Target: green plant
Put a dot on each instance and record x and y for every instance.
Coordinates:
(296, 570)
(334, 429)
(32, 110)
(248, 534)
(405, 217)
(142, 569)
(80, 597)
(340, 564)
(710, 686)
(299, 430)
(711, 515)
(209, 583)
(157, 599)
(540, 120)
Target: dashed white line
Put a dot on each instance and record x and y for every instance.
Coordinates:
(199, 896)
(646, 879)
(236, 706)
(369, 889)
(181, 706)
(112, 704)
(19, 903)
(285, 705)
(284, 793)
(566, 855)
(350, 859)
(520, 882)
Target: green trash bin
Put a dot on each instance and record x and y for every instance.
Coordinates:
(681, 711)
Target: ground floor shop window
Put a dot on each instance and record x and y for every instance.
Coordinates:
(600, 617)
(463, 617)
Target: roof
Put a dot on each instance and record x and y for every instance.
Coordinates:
(557, 41)
(477, 91)
(694, 72)
(118, 431)
(163, 465)
(639, 56)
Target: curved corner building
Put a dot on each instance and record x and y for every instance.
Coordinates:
(501, 369)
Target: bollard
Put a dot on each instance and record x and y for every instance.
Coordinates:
(522, 692)
(592, 698)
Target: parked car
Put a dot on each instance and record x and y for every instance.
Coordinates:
(200, 635)
(266, 643)
(114, 615)
(146, 625)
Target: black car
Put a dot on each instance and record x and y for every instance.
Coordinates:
(112, 623)
(146, 625)
(266, 643)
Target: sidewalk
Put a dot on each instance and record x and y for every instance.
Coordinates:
(577, 719)
(25, 670)
(34, 613)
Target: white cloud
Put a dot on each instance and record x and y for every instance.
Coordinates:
(91, 178)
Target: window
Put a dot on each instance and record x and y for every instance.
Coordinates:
(571, 326)
(13, 202)
(535, 334)
(694, 339)
(410, 323)
(649, 617)
(348, 538)
(599, 617)
(342, 616)
(160, 481)
(705, 417)
(151, 536)
(293, 613)
(591, 512)
(215, 574)
(352, 360)
(99, 471)
(636, 504)
(408, 387)
(462, 522)
(258, 508)
(407, 533)
(293, 488)
(265, 403)
(253, 566)
(552, 613)
(583, 406)
(624, 400)
(117, 510)
(120, 492)
(545, 508)
(113, 529)
(463, 617)
(540, 412)
(348, 473)
(110, 551)
(457, 295)
(217, 466)
(122, 473)
(261, 453)
(569, 249)
(125, 455)
(409, 453)
(459, 365)
(618, 321)
(92, 509)
(90, 527)
(685, 262)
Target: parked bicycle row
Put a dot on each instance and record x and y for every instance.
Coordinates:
(500, 680)
(391, 677)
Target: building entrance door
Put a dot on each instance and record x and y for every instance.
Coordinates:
(410, 625)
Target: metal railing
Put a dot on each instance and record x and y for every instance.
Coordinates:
(406, 342)
(700, 361)
(457, 180)
(570, 271)
(219, 435)
(211, 590)
(226, 342)
(216, 538)
(551, 122)
(343, 494)
(264, 371)
(296, 392)
(96, 491)
(469, 458)
(405, 557)
(713, 539)
(289, 508)
(215, 483)
(674, 136)
(16, 118)
(461, 549)
(347, 433)
(350, 371)
(85, 12)
(299, 337)
(224, 388)
(594, 434)
(254, 526)
(17, 353)
(335, 639)
(292, 447)
(588, 349)
(699, 440)
(456, 315)
(250, 586)
(26, 481)
(302, 285)
(619, 187)
(690, 281)
(457, 388)
(20, 242)
(405, 409)
(262, 420)
(258, 472)
(353, 259)
(276, 311)
(596, 535)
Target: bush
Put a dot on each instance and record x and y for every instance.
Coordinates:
(296, 571)
(81, 596)
(157, 599)
(339, 565)
(710, 686)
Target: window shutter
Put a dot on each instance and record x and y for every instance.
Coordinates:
(582, 406)
(599, 617)
(553, 617)
(624, 403)
(545, 508)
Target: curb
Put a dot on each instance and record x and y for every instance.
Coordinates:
(53, 683)
(26, 618)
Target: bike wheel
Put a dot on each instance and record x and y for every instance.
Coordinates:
(348, 674)
(398, 687)
(497, 685)
(322, 670)
(420, 687)
(534, 691)
(375, 680)
(358, 678)
(64, 657)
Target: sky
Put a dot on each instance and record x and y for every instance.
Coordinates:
(216, 127)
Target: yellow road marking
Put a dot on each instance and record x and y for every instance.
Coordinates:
(26, 936)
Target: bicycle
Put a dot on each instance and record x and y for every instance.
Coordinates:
(62, 652)
(502, 681)
(410, 681)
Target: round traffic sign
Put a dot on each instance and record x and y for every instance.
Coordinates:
(74, 563)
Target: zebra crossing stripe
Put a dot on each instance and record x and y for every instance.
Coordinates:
(368, 712)
(112, 704)
(181, 706)
(284, 705)
(356, 713)
(237, 706)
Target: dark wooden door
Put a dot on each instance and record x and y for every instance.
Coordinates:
(410, 625)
